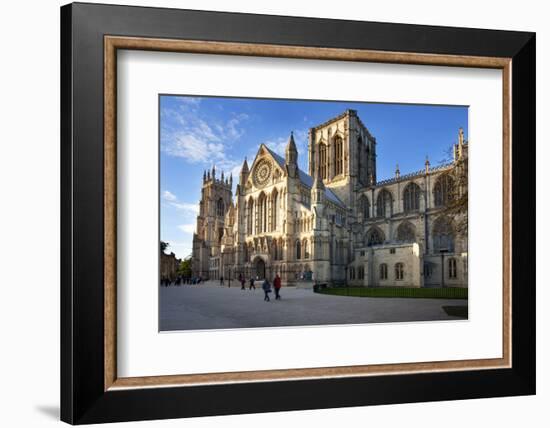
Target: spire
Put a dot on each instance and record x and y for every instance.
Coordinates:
(213, 172)
(397, 172)
(427, 165)
(291, 157)
(244, 173)
(245, 166)
(231, 180)
(222, 176)
(291, 153)
(204, 176)
(460, 136)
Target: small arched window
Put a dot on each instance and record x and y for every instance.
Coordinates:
(399, 272)
(306, 249)
(220, 208)
(411, 197)
(383, 271)
(298, 250)
(452, 268)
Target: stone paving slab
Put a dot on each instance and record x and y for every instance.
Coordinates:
(210, 306)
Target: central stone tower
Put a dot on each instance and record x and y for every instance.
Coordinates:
(345, 152)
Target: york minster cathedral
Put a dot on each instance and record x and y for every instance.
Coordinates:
(336, 223)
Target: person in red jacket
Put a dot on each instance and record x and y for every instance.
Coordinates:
(277, 286)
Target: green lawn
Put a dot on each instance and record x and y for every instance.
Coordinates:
(430, 293)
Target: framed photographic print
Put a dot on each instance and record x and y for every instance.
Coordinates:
(320, 210)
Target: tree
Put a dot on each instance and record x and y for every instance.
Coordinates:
(184, 268)
(456, 203)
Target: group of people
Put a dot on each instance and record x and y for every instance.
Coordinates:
(179, 280)
(266, 286)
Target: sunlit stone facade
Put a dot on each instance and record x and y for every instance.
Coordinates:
(335, 224)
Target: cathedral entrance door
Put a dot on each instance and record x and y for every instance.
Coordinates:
(260, 268)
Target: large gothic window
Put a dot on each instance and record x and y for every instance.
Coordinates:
(443, 235)
(220, 208)
(364, 206)
(384, 203)
(338, 156)
(411, 197)
(306, 249)
(262, 213)
(443, 190)
(274, 209)
(323, 161)
(406, 232)
(250, 216)
(374, 237)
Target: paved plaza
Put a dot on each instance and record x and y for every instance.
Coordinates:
(210, 306)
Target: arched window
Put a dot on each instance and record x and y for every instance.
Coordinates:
(323, 161)
(406, 232)
(274, 209)
(384, 203)
(351, 273)
(411, 197)
(364, 206)
(298, 250)
(250, 216)
(361, 273)
(383, 271)
(452, 268)
(374, 237)
(262, 213)
(443, 190)
(338, 156)
(220, 208)
(443, 235)
(306, 249)
(399, 271)
(274, 250)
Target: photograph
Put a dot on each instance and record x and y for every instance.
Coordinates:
(291, 212)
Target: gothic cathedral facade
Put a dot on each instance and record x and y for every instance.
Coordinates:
(335, 224)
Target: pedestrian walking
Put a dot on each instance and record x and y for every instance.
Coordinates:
(277, 286)
(221, 281)
(243, 282)
(267, 289)
(251, 286)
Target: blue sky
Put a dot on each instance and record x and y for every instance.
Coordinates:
(198, 132)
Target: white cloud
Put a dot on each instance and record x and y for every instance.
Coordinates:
(187, 228)
(168, 196)
(187, 208)
(188, 135)
(184, 206)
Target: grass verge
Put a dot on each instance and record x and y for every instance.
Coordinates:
(411, 292)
